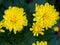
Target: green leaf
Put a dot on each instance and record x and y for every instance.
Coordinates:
(31, 7)
(52, 1)
(8, 3)
(5, 43)
(17, 3)
(29, 38)
(48, 34)
(0, 1)
(54, 41)
(40, 1)
(22, 1)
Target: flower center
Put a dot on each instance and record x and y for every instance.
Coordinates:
(13, 19)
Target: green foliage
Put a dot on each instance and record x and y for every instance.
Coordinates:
(55, 41)
(0, 1)
(40, 1)
(4, 43)
(49, 34)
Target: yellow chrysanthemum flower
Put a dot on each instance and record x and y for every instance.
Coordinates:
(56, 29)
(40, 43)
(15, 18)
(37, 28)
(47, 14)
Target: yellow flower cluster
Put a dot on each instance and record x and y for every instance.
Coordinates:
(45, 15)
(37, 28)
(14, 19)
(40, 43)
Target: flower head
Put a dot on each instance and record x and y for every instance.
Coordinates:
(40, 43)
(46, 14)
(37, 28)
(56, 29)
(15, 18)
